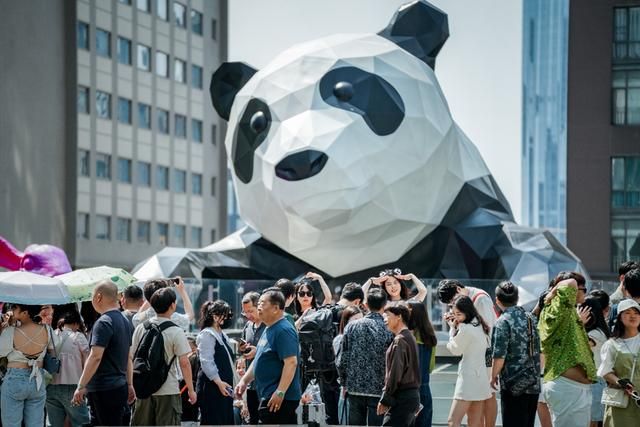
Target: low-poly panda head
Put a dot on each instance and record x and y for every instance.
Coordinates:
(342, 149)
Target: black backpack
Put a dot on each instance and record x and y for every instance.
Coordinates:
(316, 335)
(150, 369)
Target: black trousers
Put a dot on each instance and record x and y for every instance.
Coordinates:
(362, 410)
(403, 413)
(107, 407)
(518, 411)
(285, 415)
(253, 402)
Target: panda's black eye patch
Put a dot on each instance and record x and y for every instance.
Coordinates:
(251, 131)
(366, 94)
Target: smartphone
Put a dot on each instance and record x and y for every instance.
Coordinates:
(229, 390)
(175, 281)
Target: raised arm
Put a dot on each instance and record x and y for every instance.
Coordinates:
(422, 289)
(186, 301)
(328, 297)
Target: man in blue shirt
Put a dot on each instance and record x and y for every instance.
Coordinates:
(275, 367)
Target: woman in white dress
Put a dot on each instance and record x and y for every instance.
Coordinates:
(469, 338)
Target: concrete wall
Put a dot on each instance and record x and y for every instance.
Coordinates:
(37, 122)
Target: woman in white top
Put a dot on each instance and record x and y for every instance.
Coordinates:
(469, 338)
(73, 350)
(619, 364)
(598, 333)
(24, 345)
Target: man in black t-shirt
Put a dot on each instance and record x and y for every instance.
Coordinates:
(108, 373)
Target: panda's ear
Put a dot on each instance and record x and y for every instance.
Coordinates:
(226, 82)
(419, 28)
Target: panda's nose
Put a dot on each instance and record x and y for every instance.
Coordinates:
(301, 165)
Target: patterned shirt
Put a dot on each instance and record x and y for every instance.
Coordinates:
(361, 363)
(563, 339)
(511, 342)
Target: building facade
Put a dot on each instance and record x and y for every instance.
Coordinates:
(544, 138)
(603, 169)
(144, 155)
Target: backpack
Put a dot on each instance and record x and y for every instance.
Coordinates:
(316, 335)
(150, 369)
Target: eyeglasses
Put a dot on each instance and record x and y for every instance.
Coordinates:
(390, 272)
(582, 289)
(305, 294)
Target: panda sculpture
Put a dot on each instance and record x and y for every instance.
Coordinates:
(346, 160)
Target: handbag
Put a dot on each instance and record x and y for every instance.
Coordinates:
(528, 375)
(51, 362)
(617, 397)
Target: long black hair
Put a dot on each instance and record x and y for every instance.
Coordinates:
(304, 286)
(464, 304)
(419, 322)
(214, 308)
(596, 321)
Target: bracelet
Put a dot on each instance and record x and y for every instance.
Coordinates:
(81, 386)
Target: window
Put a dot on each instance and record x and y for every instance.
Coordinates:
(144, 5)
(626, 97)
(144, 174)
(625, 204)
(123, 230)
(196, 130)
(83, 100)
(213, 235)
(625, 241)
(144, 57)
(214, 29)
(626, 33)
(124, 51)
(180, 234)
(180, 126)
(103, 166)
(103, 104)
(162, 9)
(124, 170)
(162, 177)
(144, 232)
(127, 2)
(124, 110)
(162, 64)
(179, 70)
(196, 76)
(103, 227)
(180, 14)
(214, 135)
(82, 226)
(179, 181)
(82, 35)
(196, 237)
(214, 184)
(196, 183)
(163, 233)
(163, 120)
(84, 163)
(144, 116)
(103, 43)
(196, 21)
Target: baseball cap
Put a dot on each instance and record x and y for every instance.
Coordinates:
(627, 304)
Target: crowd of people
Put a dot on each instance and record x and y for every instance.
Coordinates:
(365, 359)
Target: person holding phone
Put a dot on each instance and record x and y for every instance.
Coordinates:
(146, 312)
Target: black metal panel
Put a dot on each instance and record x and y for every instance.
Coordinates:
(251, 131)
(419, 28)
(366, 94)
(226, 82)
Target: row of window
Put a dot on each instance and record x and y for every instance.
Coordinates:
(143, 56)
(625, 84)
(103, 110)
(123, 230)
(179, 13)
(143, 173)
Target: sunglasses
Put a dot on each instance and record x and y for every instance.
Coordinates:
(305, 294)
(636, 397)
(390, 272)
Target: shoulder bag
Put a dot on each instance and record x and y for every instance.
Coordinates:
(617, 397)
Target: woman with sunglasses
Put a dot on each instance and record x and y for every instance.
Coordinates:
(305, 302)
(392, 282)
(216, 377)
(619, 365)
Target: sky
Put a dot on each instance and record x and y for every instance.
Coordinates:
(479, 67)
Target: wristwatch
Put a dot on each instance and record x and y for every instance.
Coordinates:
(280, 394)
(80, 386)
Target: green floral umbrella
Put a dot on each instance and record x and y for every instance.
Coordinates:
(80, 283)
